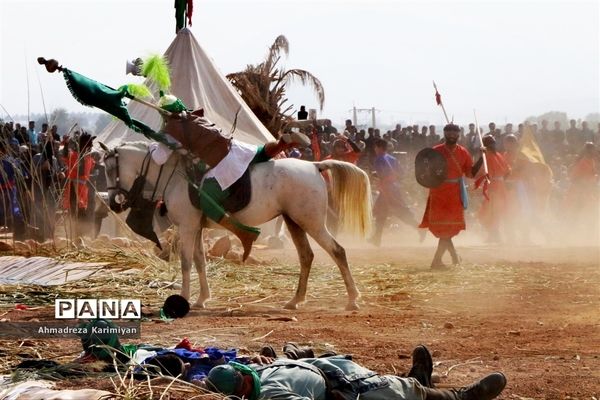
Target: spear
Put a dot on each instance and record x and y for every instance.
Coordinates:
(486, 176)
(485, 166)
(438, 100)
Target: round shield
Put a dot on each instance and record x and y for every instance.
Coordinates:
(430, 168)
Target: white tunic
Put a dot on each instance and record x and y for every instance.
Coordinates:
(233, 166)
(229, 170)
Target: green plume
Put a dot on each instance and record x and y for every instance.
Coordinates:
(157, 70)
(139, 91)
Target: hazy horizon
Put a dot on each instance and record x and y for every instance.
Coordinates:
(509, 60)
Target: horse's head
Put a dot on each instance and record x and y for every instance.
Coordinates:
(122, 164)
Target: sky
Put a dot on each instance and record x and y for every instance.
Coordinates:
(505, 59)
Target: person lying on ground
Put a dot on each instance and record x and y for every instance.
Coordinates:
(338, 377)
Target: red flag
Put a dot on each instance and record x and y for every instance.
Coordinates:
(314, 145)
(438, 98)
(190, 9)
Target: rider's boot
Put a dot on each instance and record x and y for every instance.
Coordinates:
(285, 142)
(487, 388)
(422, 366)
(246, 235)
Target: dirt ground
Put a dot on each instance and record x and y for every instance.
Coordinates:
(530, 312)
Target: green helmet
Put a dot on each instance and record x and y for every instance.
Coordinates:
(97, 334)
(224, 379)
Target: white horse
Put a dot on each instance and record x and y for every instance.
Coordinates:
(292, 188)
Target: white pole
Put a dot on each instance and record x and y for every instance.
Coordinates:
(373, 116)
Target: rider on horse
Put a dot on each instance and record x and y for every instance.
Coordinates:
(222, 159)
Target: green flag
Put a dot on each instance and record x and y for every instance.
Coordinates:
(180, 6)
(95, 94)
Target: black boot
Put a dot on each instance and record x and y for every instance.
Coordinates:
(294, 352)
(422, 367)
(487, 388)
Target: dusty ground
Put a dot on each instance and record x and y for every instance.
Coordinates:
(531, 312)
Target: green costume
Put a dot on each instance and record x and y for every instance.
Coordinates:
(212, 196)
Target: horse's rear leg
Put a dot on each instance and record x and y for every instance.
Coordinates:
(305, 254)
(337, 252)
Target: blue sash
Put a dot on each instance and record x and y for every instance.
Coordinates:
(464, 195)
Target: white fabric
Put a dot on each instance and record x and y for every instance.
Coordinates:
(197, 82)
(141, 355)
(41, 390)
(160, 153)
(233, 166)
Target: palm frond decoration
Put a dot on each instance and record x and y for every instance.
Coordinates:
(306, 78)
(263, 86)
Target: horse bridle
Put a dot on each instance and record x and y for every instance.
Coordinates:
(122, 194)
(125, 198)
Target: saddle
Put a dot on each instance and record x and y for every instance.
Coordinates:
(240, 192)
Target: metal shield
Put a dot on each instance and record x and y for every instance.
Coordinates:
(431, 169)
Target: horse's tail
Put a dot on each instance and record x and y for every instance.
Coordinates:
(351, 192)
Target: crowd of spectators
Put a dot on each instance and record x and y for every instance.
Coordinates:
(33, 176)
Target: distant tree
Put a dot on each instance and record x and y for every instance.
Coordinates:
(593, 119)
(59, 117)
(263, 86)
(101, 122)
(551, 116)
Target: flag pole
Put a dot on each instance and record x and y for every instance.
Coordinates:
(438, 99)
(147, 103)
(483, 155)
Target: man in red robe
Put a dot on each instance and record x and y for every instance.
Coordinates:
(344, 149)
(444, 213)
(581, 199)
(493, 207)
(79, 164)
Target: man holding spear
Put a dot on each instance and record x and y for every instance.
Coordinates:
(444, 212)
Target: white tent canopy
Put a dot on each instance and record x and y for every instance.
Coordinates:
(195, 80)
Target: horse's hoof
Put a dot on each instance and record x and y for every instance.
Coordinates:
(352, 307)
(199, 305)
(291, 306)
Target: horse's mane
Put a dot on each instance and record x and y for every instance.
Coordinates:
(137, 144)
(143, 147)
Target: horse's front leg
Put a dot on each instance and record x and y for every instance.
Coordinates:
(187, 238)
(200, 261)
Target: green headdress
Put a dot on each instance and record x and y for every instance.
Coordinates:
(171, 103)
